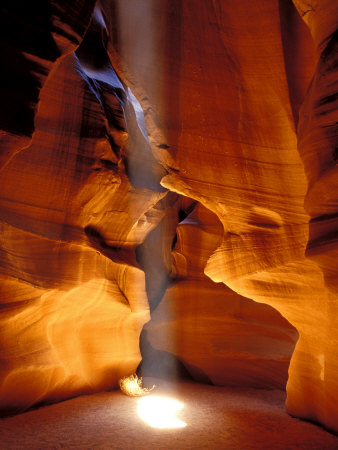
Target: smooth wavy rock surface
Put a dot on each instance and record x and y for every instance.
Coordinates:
(218, 336)
(178, 166)
(73, 297)
(234, 77)
(33, 36)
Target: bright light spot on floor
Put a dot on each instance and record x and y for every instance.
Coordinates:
(160, 412)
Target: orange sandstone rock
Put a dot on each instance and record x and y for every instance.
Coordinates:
(238, 74)
(203, 102)
(33, 37)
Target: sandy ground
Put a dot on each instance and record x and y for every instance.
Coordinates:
(217, 418)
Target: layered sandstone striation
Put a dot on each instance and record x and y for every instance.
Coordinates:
(73, 299)
(178, 165)
(217, 336)
(33, 36)
(237, 152)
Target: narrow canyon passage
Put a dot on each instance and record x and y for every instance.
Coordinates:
(168, 207)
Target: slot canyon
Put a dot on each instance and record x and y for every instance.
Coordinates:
(169, 207)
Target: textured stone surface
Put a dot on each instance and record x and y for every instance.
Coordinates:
(32, 37)
(218, 336)
(73, 296)
(238, 74)
(177, 163)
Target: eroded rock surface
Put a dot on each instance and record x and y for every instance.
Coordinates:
(173, 170)
(237, 80)
(33, 36)
(217, 335)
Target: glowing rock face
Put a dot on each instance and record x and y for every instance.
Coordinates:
(29, 57)
(219, 336)
(236, 152)
(160, 412)
(88, 245)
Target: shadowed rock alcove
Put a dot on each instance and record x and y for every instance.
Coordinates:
(168, 201)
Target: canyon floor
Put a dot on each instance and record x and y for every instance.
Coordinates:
(216, 418)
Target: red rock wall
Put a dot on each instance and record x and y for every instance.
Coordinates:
(220, 190)
(33, 36)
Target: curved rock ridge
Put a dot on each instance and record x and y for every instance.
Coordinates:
(33, 36)
(238, 75)
(318, 144)
(218, 336)
(108, 89)
(73, 296)
(61, 343)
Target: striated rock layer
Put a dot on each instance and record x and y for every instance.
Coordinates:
(177, 164)
(71, 316)
(32, 37)
(218, 336)
(233, 77)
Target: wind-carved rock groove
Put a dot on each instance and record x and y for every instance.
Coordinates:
(93, 180)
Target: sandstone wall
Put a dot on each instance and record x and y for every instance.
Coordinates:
(180, 163)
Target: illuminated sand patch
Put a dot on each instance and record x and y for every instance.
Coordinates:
(160, 412)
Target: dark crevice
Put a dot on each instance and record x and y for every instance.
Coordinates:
(327, 239)
(264, 225)
(306, 12)
(296, 40)
(107, 164)
(330, 49)
(324, 217)
(174, 242)
(182, 215)
(159, 363)
(117, 101)
(116, 254)
(328, 99)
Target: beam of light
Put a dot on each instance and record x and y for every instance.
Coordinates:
(160, 412)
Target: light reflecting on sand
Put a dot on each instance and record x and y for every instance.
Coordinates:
(160, 412)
